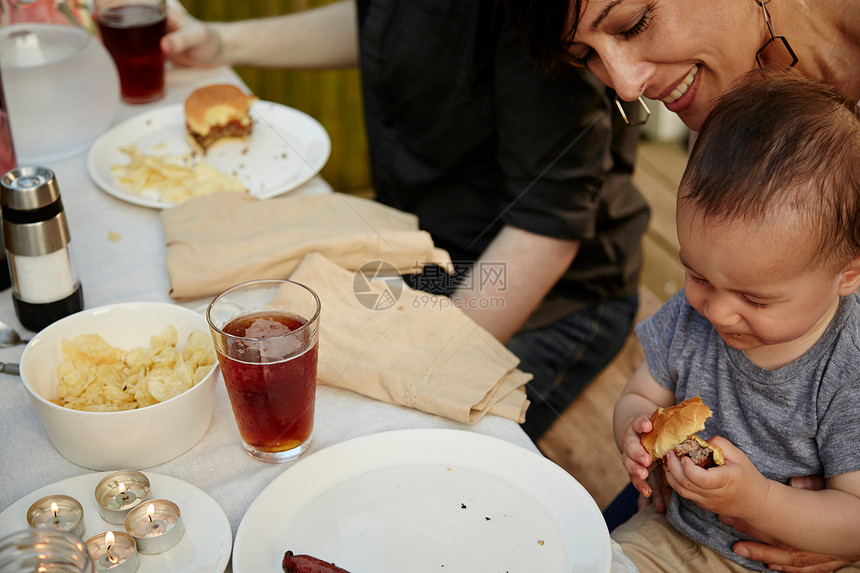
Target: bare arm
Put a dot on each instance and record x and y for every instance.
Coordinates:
(640, 397)
(778, 555)
(830, 518)
(825, 521)
(324, 37)
(533, 264)
(632, 417)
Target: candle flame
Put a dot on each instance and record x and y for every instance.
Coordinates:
(150, 511)
(109, 541)
(54, 508)
(122, 488)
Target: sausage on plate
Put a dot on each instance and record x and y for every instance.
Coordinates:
(307, 564)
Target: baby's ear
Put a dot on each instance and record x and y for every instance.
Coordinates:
(849, 280)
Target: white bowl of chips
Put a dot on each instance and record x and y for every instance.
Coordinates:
(137, 380)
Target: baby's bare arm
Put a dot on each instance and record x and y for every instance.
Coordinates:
(783, 557)
(826, 521)
(640, 397)
(631, 418)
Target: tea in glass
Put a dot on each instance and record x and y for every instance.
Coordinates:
(266, 335)
(131, 30)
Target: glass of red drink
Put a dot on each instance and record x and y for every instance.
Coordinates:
(7, 150)
(266, 336)
(131, 30)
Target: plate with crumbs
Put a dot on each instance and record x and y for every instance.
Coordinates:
(425, 500)
(286, 149)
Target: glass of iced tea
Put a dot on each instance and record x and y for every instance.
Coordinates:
(131, 30)
(266, 335)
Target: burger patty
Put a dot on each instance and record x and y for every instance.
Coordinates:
(702, 457)
(218, 132)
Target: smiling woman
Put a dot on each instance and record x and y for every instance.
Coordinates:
(688, 53)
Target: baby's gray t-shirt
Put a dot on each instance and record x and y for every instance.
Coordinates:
(798, 420)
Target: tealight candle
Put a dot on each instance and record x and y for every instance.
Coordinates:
(119, 492)
(156, 526)
(115, 551)
(60, 512)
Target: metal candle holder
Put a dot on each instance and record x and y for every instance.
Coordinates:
(114, 551)
(118, 493)
(68, 515)
(155, 525)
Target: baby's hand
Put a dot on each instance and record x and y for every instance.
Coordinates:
(661, 492)
(634, 457)
(736, 488)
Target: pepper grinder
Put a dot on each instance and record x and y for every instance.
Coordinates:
(45, 285)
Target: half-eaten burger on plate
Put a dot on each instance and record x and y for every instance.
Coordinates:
(217, 113)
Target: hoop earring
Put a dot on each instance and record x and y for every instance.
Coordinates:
(624, 115)
(773, 37)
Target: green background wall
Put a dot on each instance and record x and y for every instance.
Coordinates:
(333, 97)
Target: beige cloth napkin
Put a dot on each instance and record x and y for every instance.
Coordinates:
(416, 350)
(220, 240)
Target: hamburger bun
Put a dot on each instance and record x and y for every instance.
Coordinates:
(216, 113)
(674, 429)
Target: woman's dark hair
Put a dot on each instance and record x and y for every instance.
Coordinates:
(543, 24)
(778, 142)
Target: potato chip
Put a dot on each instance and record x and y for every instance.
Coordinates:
(97, 377)
(171, 178)
(198, 349)
(167, 339)
(164, 383)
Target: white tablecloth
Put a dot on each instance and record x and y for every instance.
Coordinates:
(132, 269)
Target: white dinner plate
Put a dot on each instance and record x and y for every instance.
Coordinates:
(286, 148)
(447, 501)
(205, 547)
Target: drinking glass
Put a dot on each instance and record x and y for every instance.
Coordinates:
(7, 162)
(48, 550)
(131, 30)
(266, 335)
(7, 149)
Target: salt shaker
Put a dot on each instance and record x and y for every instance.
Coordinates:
(45, 284)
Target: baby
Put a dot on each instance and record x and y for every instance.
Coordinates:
(766, 331)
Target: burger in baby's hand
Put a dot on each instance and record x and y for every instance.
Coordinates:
(216, 113)
(674, 429)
